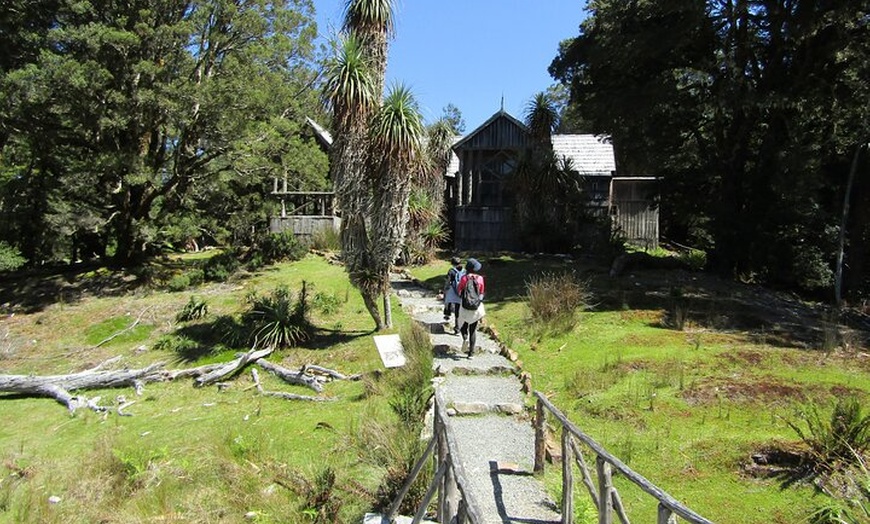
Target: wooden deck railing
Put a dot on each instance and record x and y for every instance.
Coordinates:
(313, 203)
(603, 493)
(456, 503)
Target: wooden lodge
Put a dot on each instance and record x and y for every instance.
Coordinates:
(478, 199)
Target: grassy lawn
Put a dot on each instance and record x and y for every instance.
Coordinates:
(687, 408)
(190, 454)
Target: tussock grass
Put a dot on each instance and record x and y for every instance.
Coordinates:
(686, 409)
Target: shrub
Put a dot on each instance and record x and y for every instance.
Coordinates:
(321, 497)
(278, 321)
(178, 282)
(10, 258)
(678, 314)
(278, 247)
(553, 300)
(180, 345)
(838, 440)
(193, 310)
(221, 266)
(326, 239)
(326, 304)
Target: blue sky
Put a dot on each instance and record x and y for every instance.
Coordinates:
(472, 52)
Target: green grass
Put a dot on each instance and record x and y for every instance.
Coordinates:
(188, 454)
(685, 409)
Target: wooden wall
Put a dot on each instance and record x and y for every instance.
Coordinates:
(635, 211)
(484, 229)
(303, 226)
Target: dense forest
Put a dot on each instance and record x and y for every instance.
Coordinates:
(131, 128)
(755, 115)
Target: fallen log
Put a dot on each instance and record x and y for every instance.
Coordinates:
(59, 387)
(232, 367)
(284, 395)
(331, 373)
(298, 378)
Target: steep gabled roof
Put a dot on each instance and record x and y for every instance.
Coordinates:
(509, 133)
(588, 154)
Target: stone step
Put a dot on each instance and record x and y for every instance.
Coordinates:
(479, 364)
(475, 395)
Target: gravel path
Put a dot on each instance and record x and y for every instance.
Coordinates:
(494, 436)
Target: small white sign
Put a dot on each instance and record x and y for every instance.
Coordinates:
(390, 349)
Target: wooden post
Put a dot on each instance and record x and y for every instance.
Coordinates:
(394, 507)
(421, 511)
(666, 516)
(605, 485)
(540, 437)
(567, 478)
(441, 454)
(584, 471)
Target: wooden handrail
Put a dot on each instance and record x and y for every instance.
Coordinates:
(667, 504)
(448, 471)
(467, 499)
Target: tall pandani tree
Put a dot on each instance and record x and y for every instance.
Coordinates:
(373, 23)
(396, 140)
(542, 177)
(349, 90)
(427, 229)
(375, 154)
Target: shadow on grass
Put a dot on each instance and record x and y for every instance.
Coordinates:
(703, 300)
(33, 291)
(193, 342)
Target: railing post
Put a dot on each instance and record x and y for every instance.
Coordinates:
(605, 485)
(567, 478)
(666, 516)
(540, 436)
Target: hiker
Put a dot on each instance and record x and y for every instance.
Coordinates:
(471, 309)
(451, 292)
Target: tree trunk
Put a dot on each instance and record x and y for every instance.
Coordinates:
(371, 302)
(838, 279)
(388, 313)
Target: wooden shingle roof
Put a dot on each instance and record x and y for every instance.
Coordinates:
(589, 154)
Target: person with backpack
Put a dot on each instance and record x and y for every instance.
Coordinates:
(451, 292)
(471, 310)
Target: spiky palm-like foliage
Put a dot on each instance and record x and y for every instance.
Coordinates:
(373, 22)
(397, 134)
(278, 321)
(842, 438)
(542, 177)
(426, 228)
(351, 95)
(542, 117)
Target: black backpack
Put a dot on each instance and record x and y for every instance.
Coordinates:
(471, 294)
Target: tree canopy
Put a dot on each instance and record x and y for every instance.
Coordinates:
(751, 110)
(126, 127)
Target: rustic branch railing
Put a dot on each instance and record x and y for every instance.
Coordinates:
(604, 495)
(456, 503)
(308, 203)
